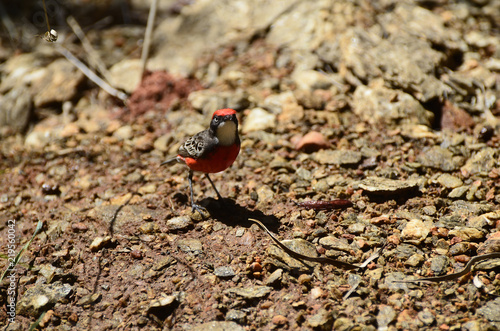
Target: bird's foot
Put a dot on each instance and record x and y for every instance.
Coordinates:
(202, 211)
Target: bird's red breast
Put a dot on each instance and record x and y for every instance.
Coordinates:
(218, 160)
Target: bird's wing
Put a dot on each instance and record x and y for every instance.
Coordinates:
(198, 146)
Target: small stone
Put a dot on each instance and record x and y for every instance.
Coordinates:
(311, 80)
(491, 245)
(386, 314)
(416, 231)
(335, 243)
(458, 192)
(490, 310)
(356, 228)
(224, 272)
(467, 234)
(481, 162)
(426, 317)
(49, 271)
(312, 142)
(449, 181)
(250, 293)
(379, 104)
(42, 296)
(415, 260)
(126, 74)
(89, 299)
(237, 316)
(123, 133)
(342, 324)
(322, 320)
(265, 194)
(179, 223)
(279, 320)
(439, 264)
(218, 326)
(281, 259)
(190, 246)
(274, 279)
(58, 83)
(147, 189)
(305, 279)
(162, 143)
(338, 157)
(258, 119)
(162, 306)
(387, 187)
(471, 326)
(99, 242)
(439, 158)
(79, 227)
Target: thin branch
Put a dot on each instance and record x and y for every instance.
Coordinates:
(90, 74)
(94, 58)
(147, 36)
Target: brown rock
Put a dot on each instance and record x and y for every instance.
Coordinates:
(312, 142)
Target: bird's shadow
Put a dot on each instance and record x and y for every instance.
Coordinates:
(230, 213)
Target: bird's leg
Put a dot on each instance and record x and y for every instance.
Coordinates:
(194, 206)
(218, 194)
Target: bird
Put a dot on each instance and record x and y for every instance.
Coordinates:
(212, 150)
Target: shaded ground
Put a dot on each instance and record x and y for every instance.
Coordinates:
(409, 134)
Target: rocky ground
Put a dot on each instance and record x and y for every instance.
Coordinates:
(393, 105)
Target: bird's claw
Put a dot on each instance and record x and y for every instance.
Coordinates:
(201, 210)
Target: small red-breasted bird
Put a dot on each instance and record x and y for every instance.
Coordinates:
(211, 150)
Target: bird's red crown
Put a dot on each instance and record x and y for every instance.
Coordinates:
(224, 112)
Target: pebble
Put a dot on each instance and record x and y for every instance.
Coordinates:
(481, 162)
(123, 133)
(386, 314)
(387, 187)
(237, 316)
(335, 243)
(379, 104)
(99, 242)
(179, 223)
(416, 231)
(439, 264)
(415, 260)
(279, 320)
(190, 246)
(311, 80)
(449, 181)
(338, 157)
(250, 293)
(218, 326)
(15, 108)
(274, 279)
(89, 299)
(440, 158)
(258, 120)
(490, 310)
(322, 320)
(49, 271)
(312, 142)
(281, 259)
(38, 298)
(458, 192)
(426, 317)
(224, 272)
(491, 245)
(58, 83)
(467, 234)
(126, 74)
(343, 324)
